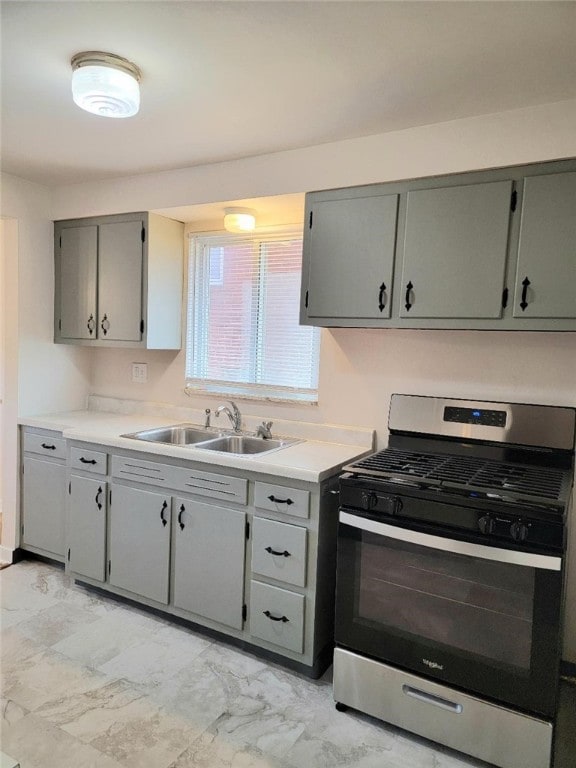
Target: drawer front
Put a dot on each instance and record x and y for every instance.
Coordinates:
(46, 445)
(280, 498)
(89, 461)
(277, 616)
(279, 551)
(181, 479)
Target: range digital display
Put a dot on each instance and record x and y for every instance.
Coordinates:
(485, 418)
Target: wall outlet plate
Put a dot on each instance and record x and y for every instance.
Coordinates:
(140, 373)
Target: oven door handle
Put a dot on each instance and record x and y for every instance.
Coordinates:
(527, 559)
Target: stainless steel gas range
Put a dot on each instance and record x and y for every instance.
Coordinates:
(451, 560)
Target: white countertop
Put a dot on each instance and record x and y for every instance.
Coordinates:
(309, 460)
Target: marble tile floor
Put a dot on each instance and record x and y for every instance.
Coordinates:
(89, 682)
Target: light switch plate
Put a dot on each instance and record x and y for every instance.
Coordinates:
(140, 373)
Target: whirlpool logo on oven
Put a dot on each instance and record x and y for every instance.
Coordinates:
(433, 664)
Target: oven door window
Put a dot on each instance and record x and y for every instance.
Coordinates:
(480, 607)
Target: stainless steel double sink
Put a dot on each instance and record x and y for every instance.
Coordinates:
(211, 440)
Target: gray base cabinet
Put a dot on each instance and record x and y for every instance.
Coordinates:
(139, 549)
(118, 281)
(488, 250)
(87, 527)
(209, 555)
(43, 493)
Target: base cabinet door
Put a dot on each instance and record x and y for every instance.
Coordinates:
(87, 527)
(140, 542)
(43, 505)
(210, 545)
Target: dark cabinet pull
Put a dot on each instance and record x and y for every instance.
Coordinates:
(280, 501)
(87, 461)
(97, 498)
(180, 513)
(525, 284)
(274, 552)
(283, 619)
(91, 325)
(408, 305)
(382, 297)
(49, 447)
(105, 325)
(164, 508)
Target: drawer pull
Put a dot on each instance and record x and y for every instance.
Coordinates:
(87, 461)
(274, 500)
(164, 508)
(49, 447)
(283, 619)
(180, 513)
(279, 554)
(97, 498)
(430, 698)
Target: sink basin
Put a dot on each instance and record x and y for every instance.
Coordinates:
(243, 444)
(180, 434)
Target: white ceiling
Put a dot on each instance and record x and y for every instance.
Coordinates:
(223, 80)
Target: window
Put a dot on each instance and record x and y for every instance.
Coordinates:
(243, 334)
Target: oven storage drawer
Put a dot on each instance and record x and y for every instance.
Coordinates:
(277, 616)
(89, 461)
(279, 551)
(55, 447)
(487, 731)
(279, 498)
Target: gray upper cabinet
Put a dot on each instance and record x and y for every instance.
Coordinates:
(545, 284)
(78, 265)
(349, 246)
(209, 559)
(455, 247)
(119, 281)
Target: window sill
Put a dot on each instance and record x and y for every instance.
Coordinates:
(265, 394)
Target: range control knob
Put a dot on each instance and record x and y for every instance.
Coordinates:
(369, 500)
(519, 530)
(486, 524)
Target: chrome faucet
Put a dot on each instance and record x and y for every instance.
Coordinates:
(233, 414)
(264, 430)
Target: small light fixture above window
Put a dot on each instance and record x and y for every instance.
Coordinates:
(239, 219)
(105, 84)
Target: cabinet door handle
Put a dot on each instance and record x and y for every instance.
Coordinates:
(283, 619)
(280, 501)
(97, 498)
(409, 288)
(525, 284)
(164, 508)
(105, 325)
(180, 513)
(382, 297)
(91, 325)
(279, 554)
(49, 447)
(87, 461)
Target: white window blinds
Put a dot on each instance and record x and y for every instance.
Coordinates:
(243, 334)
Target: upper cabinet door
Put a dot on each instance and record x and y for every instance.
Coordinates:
(120, 272)
(351, 246)
(76, 309)
(546, 273)
(455, 250)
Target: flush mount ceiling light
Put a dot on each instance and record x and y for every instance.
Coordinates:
(239, 219)
(105, 84)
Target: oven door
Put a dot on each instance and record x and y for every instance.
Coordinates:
(478, 617)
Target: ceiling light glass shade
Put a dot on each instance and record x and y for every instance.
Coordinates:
(105, 84)
(239, 220)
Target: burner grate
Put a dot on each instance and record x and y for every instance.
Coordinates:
(468, 472)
